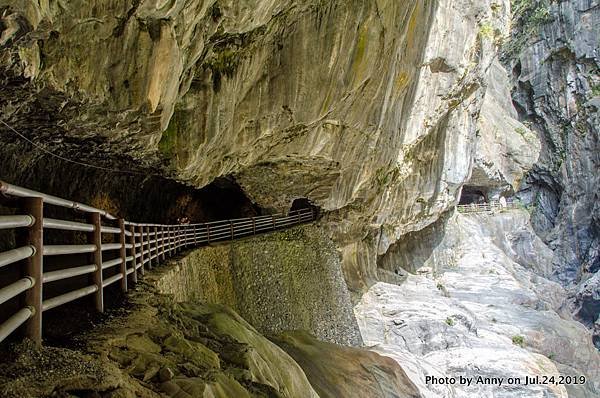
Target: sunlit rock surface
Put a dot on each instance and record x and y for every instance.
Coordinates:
(478, 304)
(336, 371)
(505, 148)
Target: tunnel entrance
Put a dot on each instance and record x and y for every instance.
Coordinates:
(472, 195)
(304, 203)
(222, 199)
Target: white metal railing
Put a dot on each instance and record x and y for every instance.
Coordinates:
(139, 246)
(490, 207)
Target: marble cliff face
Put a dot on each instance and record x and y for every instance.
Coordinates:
(378, 112)
(556, 92)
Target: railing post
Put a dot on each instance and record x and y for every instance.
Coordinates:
(162, 242)
(167, 232)
(123, 253)
(156, 247)
(133, 242)
(253, 226)
(143, 251)
(231, 227)
(34, 267)
(168, 244)
(179, 238)
(176, 235)
(195, 236)
(299, 215)
(182, 232)
(96, 239)
(273, 219)
(207, 233)
(148, 246)
(166, 240)
(175, 238)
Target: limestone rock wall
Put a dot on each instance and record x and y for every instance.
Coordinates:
(505, 148)
(289, 280)
(369, 109)
(554, 57)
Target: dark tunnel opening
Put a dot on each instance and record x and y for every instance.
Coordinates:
(305, 203)
(472, 195)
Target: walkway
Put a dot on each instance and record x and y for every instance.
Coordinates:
(492, 207)
(136, 248)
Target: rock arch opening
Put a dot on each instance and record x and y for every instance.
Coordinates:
(472, 195)
(304, 203)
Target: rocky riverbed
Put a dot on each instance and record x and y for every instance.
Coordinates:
(479, 303)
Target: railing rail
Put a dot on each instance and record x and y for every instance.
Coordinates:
(140, 246)
(490, 207)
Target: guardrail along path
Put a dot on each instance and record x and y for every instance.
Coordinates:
(137, 246)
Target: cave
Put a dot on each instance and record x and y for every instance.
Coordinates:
(472, 195)
(304, 203)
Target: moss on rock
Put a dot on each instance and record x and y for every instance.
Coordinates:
(286, 280)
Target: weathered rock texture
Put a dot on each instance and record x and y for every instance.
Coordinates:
(188, 350)
(554, 56)
(369, 109)
(288, 280)
(477, 304)
(336, 371)
(157, 350)
(505, 148)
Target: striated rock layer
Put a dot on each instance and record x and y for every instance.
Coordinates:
(554, 57)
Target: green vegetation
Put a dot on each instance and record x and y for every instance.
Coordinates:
(487, 30)
(496, 7)
(168, 141)
(228, 50)
(518, 340)
(595, 91)
(560, 159)
(440, 286)
(450, 321)
(528, 18)
(521, 131)
(382, 177)
(385, 177)
(223, 63)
